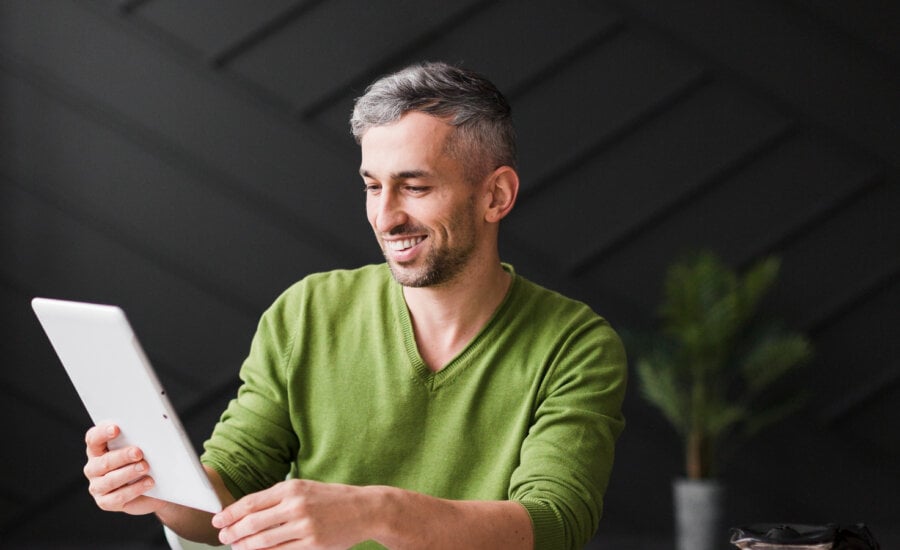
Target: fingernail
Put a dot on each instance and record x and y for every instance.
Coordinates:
(134, 454)
(110, 430)
(139, 466)
(148, 482)
(218, 521)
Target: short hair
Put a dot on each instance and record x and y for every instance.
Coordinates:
(466, 100)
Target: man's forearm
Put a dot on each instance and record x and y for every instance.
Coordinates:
(414, 520)
(192, 524)
(195, 525)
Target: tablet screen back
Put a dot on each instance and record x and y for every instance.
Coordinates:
(116, 382)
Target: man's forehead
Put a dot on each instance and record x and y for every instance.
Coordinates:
(415, 135)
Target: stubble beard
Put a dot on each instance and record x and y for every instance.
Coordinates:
(441, 265)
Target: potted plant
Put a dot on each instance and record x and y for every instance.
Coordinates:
(710, 370)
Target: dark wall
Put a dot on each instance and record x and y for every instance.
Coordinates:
(189, 160)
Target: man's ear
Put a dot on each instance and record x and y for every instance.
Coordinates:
(503, 188)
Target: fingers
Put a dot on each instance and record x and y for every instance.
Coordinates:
(116, 488)
(276, 536)
(98, 437)
(117, 479)
(261, 500)
(126, 498)
(257, 518)
(236, 511)
(115, 468)
(262, 529)
(101, 463)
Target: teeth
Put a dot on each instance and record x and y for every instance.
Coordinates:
(404, 244)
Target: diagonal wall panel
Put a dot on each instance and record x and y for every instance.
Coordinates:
(183, 111)
(212, 26)
(641, 174)
(293, 65)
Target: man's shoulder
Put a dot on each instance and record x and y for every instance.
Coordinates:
(539, 310)
(549, 317)
(549, 301)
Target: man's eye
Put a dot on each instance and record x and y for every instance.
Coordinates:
(416, 190)
(371, 187)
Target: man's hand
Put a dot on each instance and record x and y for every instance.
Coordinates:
(299, 514)
(118, 479)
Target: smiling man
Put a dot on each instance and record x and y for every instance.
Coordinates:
(439, 400)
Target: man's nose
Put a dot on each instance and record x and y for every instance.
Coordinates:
(389, 212)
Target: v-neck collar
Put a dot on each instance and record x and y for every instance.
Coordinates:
(433, 380)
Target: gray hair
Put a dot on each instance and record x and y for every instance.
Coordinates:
(464, 99)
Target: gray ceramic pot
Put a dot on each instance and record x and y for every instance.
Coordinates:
(699, 507)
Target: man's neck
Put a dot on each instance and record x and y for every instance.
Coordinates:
(447, 317)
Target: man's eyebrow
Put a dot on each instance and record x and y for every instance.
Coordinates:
(402, 175)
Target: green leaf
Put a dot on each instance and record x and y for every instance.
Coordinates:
(660, 386)
(772, 358)
(758, 280)
(773, 414)
(722, 416)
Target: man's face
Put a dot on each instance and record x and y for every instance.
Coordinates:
(418, 201)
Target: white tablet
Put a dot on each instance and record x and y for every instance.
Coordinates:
(116, 382)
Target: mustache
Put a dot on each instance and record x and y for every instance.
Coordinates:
(406, 229)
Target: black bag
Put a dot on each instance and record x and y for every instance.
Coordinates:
(775, 536)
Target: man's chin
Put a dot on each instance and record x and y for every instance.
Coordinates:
(408, 276)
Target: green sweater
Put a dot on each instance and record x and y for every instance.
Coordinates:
(334, 390)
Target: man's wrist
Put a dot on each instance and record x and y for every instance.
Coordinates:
(383, 505)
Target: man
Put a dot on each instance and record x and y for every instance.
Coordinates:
(437, 401)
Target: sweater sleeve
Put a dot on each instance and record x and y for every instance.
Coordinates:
(253, 443)
(567, 456)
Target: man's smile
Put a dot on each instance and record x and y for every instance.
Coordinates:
(399, 245)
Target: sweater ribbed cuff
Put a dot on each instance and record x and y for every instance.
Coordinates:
(546, 523)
